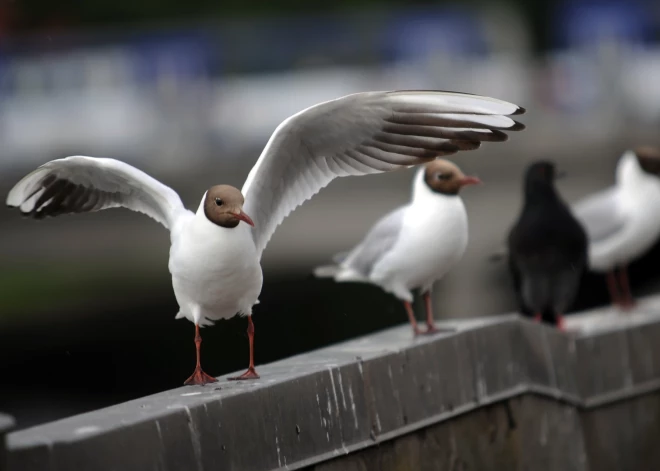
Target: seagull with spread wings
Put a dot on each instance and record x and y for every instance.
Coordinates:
(215, 252)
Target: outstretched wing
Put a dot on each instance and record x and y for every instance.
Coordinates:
(360, 134)
(80, 184)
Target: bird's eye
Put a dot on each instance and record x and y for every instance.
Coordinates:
(219, 202)
(443, 176)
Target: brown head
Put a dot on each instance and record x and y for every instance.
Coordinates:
(649, 159)
(444, 177)
(224, 206)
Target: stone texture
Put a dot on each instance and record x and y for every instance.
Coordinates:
(6, 424)
(497, 358)
(519, 434)
(644, 354)
(550, 435)
(491, 393)
(603, 366)
(624, 435)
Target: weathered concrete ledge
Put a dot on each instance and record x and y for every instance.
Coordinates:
(6, 424)
(387, 389)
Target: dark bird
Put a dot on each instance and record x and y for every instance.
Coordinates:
(547, 248)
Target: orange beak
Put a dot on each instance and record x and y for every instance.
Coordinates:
(243, 217)
(469, 181)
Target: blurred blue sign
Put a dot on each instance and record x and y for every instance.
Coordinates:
(422, 33)
(590, 22)
(183, 55)
(285, 42)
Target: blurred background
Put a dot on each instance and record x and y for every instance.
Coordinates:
(191, 91)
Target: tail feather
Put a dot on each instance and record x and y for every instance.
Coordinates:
(340, 274)
(340, 257)
(327, 271)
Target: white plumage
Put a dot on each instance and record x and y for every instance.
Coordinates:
(413, 246)
(216, 271)
(622, 221)
(429, 236)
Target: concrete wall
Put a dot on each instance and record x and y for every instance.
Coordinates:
(526, 432)
(6, 424)
(488, 393)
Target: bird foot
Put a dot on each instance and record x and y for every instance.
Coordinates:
(627, 306)
(251, 373)
(561, 324)
(199, 378)
(432, 329)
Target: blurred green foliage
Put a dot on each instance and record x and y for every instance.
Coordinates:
(36, 13)
(42, 290)
(45, 15)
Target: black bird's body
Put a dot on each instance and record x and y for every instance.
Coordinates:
(547, 248)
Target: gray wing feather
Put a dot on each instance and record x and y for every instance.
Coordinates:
(361, 134)
(600, 214)
(378, 241)
(80, 184)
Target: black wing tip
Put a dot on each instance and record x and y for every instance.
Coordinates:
(517, 126)
(495, 135)
(467, 144)
(32, 214)
(496, 257)
(520, 110)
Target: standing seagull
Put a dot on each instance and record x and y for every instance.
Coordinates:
(547, 247)
(415, 245)
(622, 222)
(214, 259)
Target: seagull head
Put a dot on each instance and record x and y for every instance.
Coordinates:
(543, 171)
(649, 159)
(223, 206)
(540, 178)
(443, 176)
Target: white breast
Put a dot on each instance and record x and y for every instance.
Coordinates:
(433, 238)
(640, 232)
(215, 271)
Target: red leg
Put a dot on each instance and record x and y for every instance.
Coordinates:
(199, 378)
(561, 324)
(411, 317)
(612, 288)
(430, 325)
(251, 373)
(538, 317)
(627, 300)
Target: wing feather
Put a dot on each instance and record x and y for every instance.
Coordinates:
(361, 134)
(79, 184)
